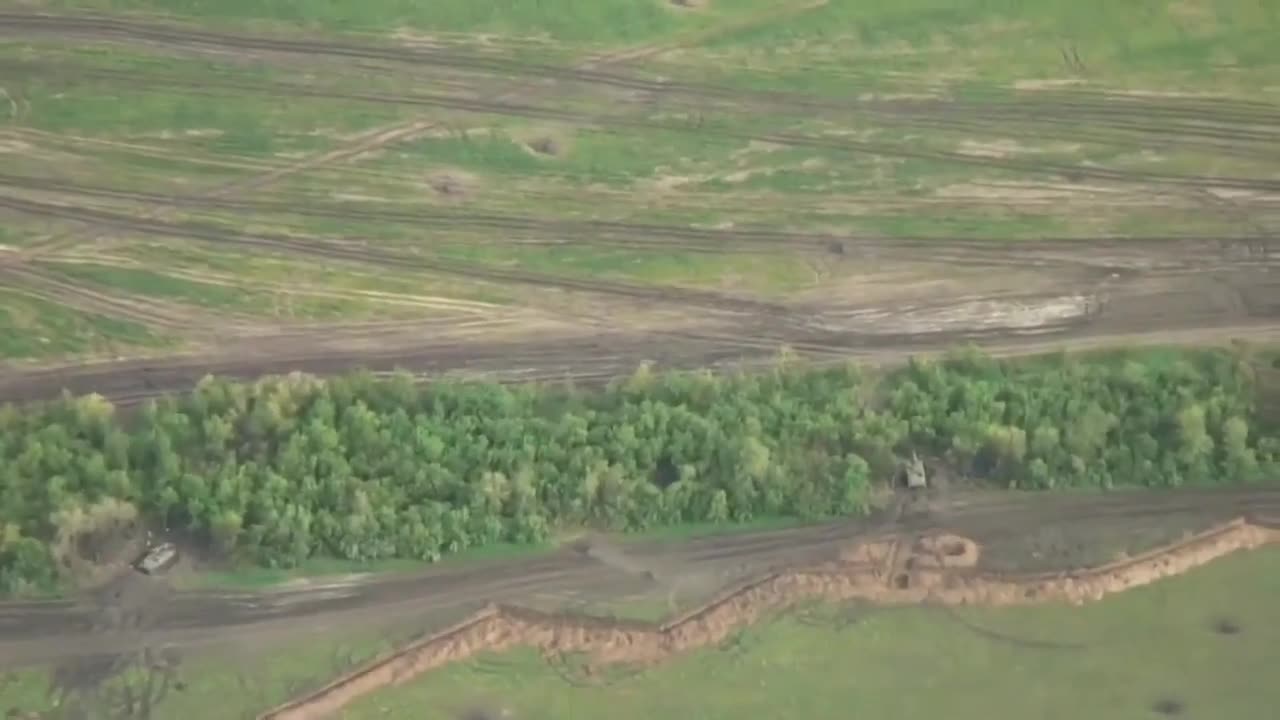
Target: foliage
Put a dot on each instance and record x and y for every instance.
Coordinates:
(1099, 424)
(365, 469)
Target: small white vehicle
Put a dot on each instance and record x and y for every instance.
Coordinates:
(158, 559)
(915, 473)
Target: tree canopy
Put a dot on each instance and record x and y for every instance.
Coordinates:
(363, 468)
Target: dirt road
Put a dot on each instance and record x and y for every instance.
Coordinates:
(139, 611)
(1148, 309)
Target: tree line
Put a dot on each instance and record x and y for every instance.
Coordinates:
(365, 468)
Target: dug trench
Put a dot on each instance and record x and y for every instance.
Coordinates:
(938, 570)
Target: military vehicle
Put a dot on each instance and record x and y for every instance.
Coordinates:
(915, 473)
(157, 559)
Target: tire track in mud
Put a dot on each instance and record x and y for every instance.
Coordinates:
(762, 548)
(404, 131)
(584, 361)
(738, 201)
(1113, 253)
(22, 278)
(369, 256)
(829, 143)
(1121, 113)
(203, 617)
(98, 27)
(1216, 133)
(185, 320)
(683, 298)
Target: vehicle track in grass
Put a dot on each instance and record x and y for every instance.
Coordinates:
(1143, 314)
(378, 137)
(101, 27)
(363, 254)
(1251, 137)
(33, 632)
(1107, 254)
(1256, 125)
(789, 326)
(175, 318)
(1232, 303)
(1063, 195)
(619, 122)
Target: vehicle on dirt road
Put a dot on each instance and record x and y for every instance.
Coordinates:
(915, 473)
(157, 559)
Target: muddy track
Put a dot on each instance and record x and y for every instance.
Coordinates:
(510, 108)
(1245, 136)
(1056, 103)
(829, 143)
(24, 279)
(701, 200)
(56, 629)
(187, 321)
(364, 254)
(1107, 254)
(607, 355)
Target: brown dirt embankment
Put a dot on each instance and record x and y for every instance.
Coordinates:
(883, 573)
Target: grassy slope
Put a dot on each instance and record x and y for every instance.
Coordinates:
(916, 663)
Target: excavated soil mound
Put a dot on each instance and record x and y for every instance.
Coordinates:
(945, 551)
(872, 553)
(872, 575)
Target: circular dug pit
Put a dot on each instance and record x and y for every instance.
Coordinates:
(946, 551)
(1168, 707)
(1225, 626)
(453, 186)
(548, 146)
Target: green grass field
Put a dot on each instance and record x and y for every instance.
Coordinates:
(920, 118)
(1131, 651)
(33, 329)
(1114, 659)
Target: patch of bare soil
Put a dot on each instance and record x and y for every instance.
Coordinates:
(945, 551)
(452, 185)
(880, 572)
(546, 145)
